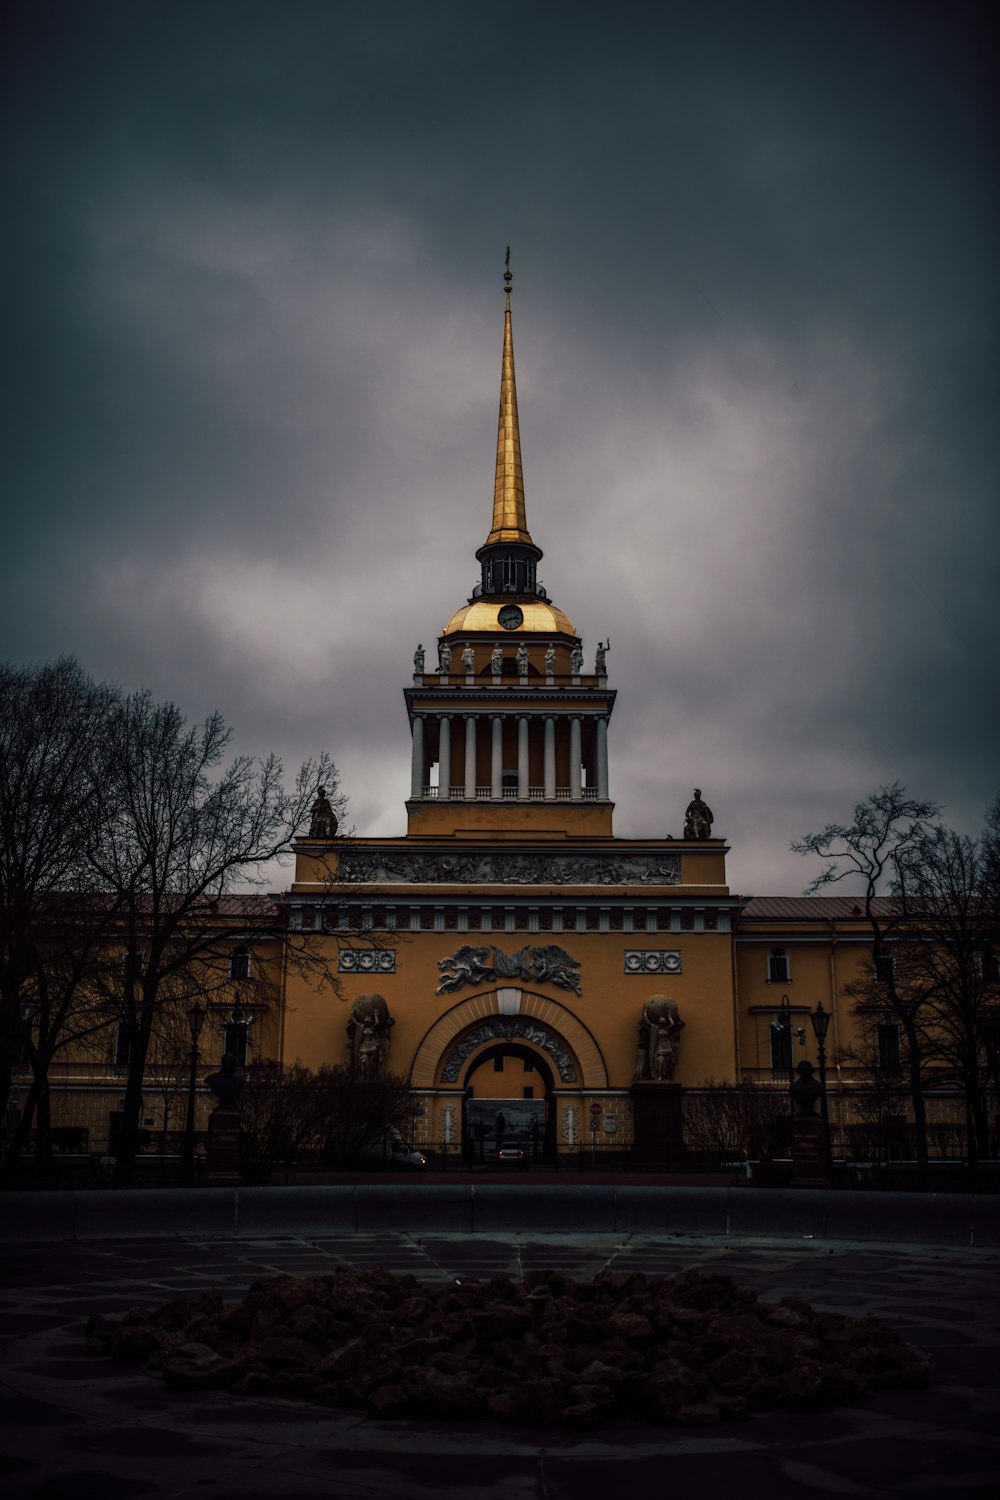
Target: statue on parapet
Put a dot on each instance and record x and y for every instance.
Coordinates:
(322, 818)
(496, 659)
(522, 660)
(418, 661)
(550, 661)
(698, 818)
(660, 1028)
(444, 658)
(601, 659)
(469, 658)
(576, 659)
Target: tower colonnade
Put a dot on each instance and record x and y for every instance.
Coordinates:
(517, 754)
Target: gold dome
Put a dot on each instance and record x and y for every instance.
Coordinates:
(539, 619)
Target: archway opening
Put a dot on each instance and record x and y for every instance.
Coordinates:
(508, 1105)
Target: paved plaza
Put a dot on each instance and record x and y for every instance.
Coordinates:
(77, 1428)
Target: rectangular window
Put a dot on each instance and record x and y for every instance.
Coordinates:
(887, 1033)
(307, 918)
(528, 1092)
(498, 1064)
(885, 968)
(236, 1041)
(529, 1066)
(239, 966)
(778, 971)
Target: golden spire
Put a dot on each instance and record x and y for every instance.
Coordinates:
(509, 520)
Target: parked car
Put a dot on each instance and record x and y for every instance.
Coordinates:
(393, 1154)
(510, 1156)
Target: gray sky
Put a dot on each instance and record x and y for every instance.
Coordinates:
(253, 321)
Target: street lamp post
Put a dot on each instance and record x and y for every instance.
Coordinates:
(196, 1020)
(820, 1019)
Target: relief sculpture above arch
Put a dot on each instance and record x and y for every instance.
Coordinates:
(548, 965)
(509, 1029)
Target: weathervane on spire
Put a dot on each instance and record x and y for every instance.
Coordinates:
(507, 277)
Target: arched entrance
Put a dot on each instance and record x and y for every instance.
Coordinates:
(508, 1103)
(507, 1017)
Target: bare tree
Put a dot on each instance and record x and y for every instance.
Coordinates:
(872, 850)
(178, 835)
(53, 764)
(735, 1121)
(945, 960)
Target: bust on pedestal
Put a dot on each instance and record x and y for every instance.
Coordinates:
(808, 1130)
(224, 1124)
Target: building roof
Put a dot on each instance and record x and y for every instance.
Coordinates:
(814, 908)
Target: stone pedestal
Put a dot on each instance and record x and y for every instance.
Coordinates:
(223, 1148)
(809, 1152)
(658, 1126)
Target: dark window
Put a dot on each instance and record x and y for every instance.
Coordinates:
(498, 1065)
(131, 966)
(777, 967)
(122, 1046)
(687, 919)
(990, 964)
(308, 918)
(888, 1047)
(239, 966)
(529, 1066)
(528, 1092)
(885, 968)
(236, 1041)
(781, 1047)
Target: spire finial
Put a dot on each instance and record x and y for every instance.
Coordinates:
(509, 523)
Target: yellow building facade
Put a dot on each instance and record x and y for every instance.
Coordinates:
(507, 954)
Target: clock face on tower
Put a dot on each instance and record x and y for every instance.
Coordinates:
(510, 617)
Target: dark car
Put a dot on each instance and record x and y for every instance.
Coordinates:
(510, 1156)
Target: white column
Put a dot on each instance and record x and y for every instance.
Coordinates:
(602, 759)
(496, 768)
(417, 757)
(575, 758)
(550, 759)
(522, 758)
(444, 756)
(470, 756)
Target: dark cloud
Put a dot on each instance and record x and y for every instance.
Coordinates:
(251, 285)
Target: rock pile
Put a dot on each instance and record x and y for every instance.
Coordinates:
(694, 1349)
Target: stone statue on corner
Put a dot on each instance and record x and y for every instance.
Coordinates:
(322, 818)
(418, 661)
(660, 1027)
(601, 659)
(698, 818)
(368, 1028)
(576, 659)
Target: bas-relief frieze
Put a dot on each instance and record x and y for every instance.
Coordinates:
(389, 867)
(548, 965)
(509, 1029)
(654, 961)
